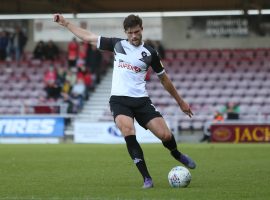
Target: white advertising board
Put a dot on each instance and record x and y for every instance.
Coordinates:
(108, 133)
(29, 140)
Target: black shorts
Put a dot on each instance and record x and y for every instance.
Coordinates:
(140, 108)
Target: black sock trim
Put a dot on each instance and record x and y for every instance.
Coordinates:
(172, 146)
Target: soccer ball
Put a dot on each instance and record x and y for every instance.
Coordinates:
(179, 177)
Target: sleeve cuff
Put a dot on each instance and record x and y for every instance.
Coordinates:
(161, 72)
(98, 42)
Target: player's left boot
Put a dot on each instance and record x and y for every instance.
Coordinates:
(187, 161)
(148, 183)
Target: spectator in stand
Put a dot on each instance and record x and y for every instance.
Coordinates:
(82, 54)
(18, 42)
(73, 49)
(93, 62)
(86, 76)
(9, 46)
(65, 96)
(231, 110)
(51, 88)
(52, 51)
(50, 75)
(71, 76)
(40, 51)
(66, 88)
(3, 45)
(66, 99)
(218, 117)
(60, 76)
(78, 94)
(88, 80)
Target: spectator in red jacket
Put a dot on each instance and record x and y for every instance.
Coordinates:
(51, 88)
(73, 50)
(82, 54)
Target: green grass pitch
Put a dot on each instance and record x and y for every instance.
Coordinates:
(100, 172)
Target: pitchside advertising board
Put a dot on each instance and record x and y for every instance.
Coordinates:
(19, 128)
(240, 132)
(108, 133)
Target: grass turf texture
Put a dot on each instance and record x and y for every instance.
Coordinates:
(93, 172)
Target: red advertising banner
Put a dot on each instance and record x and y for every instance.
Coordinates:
(240, 133)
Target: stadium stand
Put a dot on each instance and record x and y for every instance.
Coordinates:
(207, 79)
(210, 78)
(22, 86)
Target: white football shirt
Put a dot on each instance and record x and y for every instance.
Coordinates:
(130, 66)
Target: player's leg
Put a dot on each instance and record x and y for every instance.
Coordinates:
(126, 126)
(160, 129)
(150, 118)
(124, 119)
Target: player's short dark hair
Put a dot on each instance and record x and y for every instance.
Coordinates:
(132, 21)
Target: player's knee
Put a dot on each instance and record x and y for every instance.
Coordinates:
(127, 130)
(165, 136)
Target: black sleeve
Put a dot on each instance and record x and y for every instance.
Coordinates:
(156, 62)
(108, 43)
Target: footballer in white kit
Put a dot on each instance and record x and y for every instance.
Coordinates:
(129, 98)
(128, 93)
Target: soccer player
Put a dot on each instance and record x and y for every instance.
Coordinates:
(129, 99)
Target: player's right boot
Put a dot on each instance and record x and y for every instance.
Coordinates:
(148, 183)
(187, 161)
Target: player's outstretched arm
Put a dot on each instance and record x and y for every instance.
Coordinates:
(81, 33)
(167, 83)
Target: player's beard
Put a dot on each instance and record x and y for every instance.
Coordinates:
(137, 41)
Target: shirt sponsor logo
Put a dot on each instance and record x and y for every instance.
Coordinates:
(129, 67)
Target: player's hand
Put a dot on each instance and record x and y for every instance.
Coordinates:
(186, 109)
(58, 18)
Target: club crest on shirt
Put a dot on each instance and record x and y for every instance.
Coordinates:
(144, 54)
